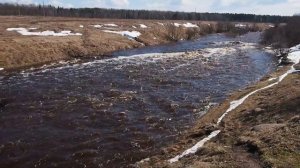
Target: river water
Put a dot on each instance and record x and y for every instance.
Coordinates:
(117, 111)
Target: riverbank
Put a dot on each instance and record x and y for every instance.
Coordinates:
(261, 132)
(31, 41)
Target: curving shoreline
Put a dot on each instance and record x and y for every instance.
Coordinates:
(190, 157)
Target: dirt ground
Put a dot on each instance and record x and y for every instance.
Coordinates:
(263, 132)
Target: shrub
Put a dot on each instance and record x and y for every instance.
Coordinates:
(192, 33)
(283, 35)
(174, 33)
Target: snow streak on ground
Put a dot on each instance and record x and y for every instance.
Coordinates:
(97, 26)
(143, 26)
(25, 32)
(239, 25)
(111, 25)
(195, 148)
(294, 56)
(186, 25)
(128, 34)
(189, 25)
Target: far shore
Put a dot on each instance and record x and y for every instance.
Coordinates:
(84, 38)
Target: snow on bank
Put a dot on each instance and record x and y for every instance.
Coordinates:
(143, 26)
(239, 25)
(1, 69)
(111, 25)
(294, 56)
(25, 32)
(195, 148)
(81, 26)
(271, 79)
(128, 34)
(97, 26)
(190, 25)
(186, 25)
(177, 24)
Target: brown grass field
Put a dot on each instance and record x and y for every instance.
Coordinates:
(18, 51)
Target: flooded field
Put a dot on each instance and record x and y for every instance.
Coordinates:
(115, 112)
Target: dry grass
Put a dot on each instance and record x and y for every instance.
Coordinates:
(17, 51)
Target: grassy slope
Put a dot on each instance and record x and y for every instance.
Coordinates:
(263, 132)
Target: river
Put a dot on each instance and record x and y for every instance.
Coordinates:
(116, 111)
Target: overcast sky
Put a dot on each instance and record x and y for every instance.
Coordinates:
(273, 7)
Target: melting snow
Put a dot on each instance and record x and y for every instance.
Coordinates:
(195, 148)
(143, 26)
(25, 32)
(160, 23)
(240, 25)
(177, 24)
(97, 26)
(111, 25)
(189, 25)
(271, 79)
(1, 69)
(134, 27)
(294, 56)
(186, 25)
(128, 34)
(81, 26)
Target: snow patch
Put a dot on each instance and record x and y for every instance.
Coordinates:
(271, 79)
(128, 34)
(1, 69)
(186, 25)
(111, 25)
(195, 148)
(81, 26)
(97, 26)
(240, 25)
(177, 24)
(190, 25)
(25, 32)
(143, 26)
(134, 27)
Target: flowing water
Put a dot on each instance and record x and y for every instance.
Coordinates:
(115, 112)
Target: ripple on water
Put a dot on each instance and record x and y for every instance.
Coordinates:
(117, 111)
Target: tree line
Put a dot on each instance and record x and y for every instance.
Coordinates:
(283, 35)
(48, 10)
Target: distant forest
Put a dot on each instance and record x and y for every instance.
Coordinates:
(40, 10)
